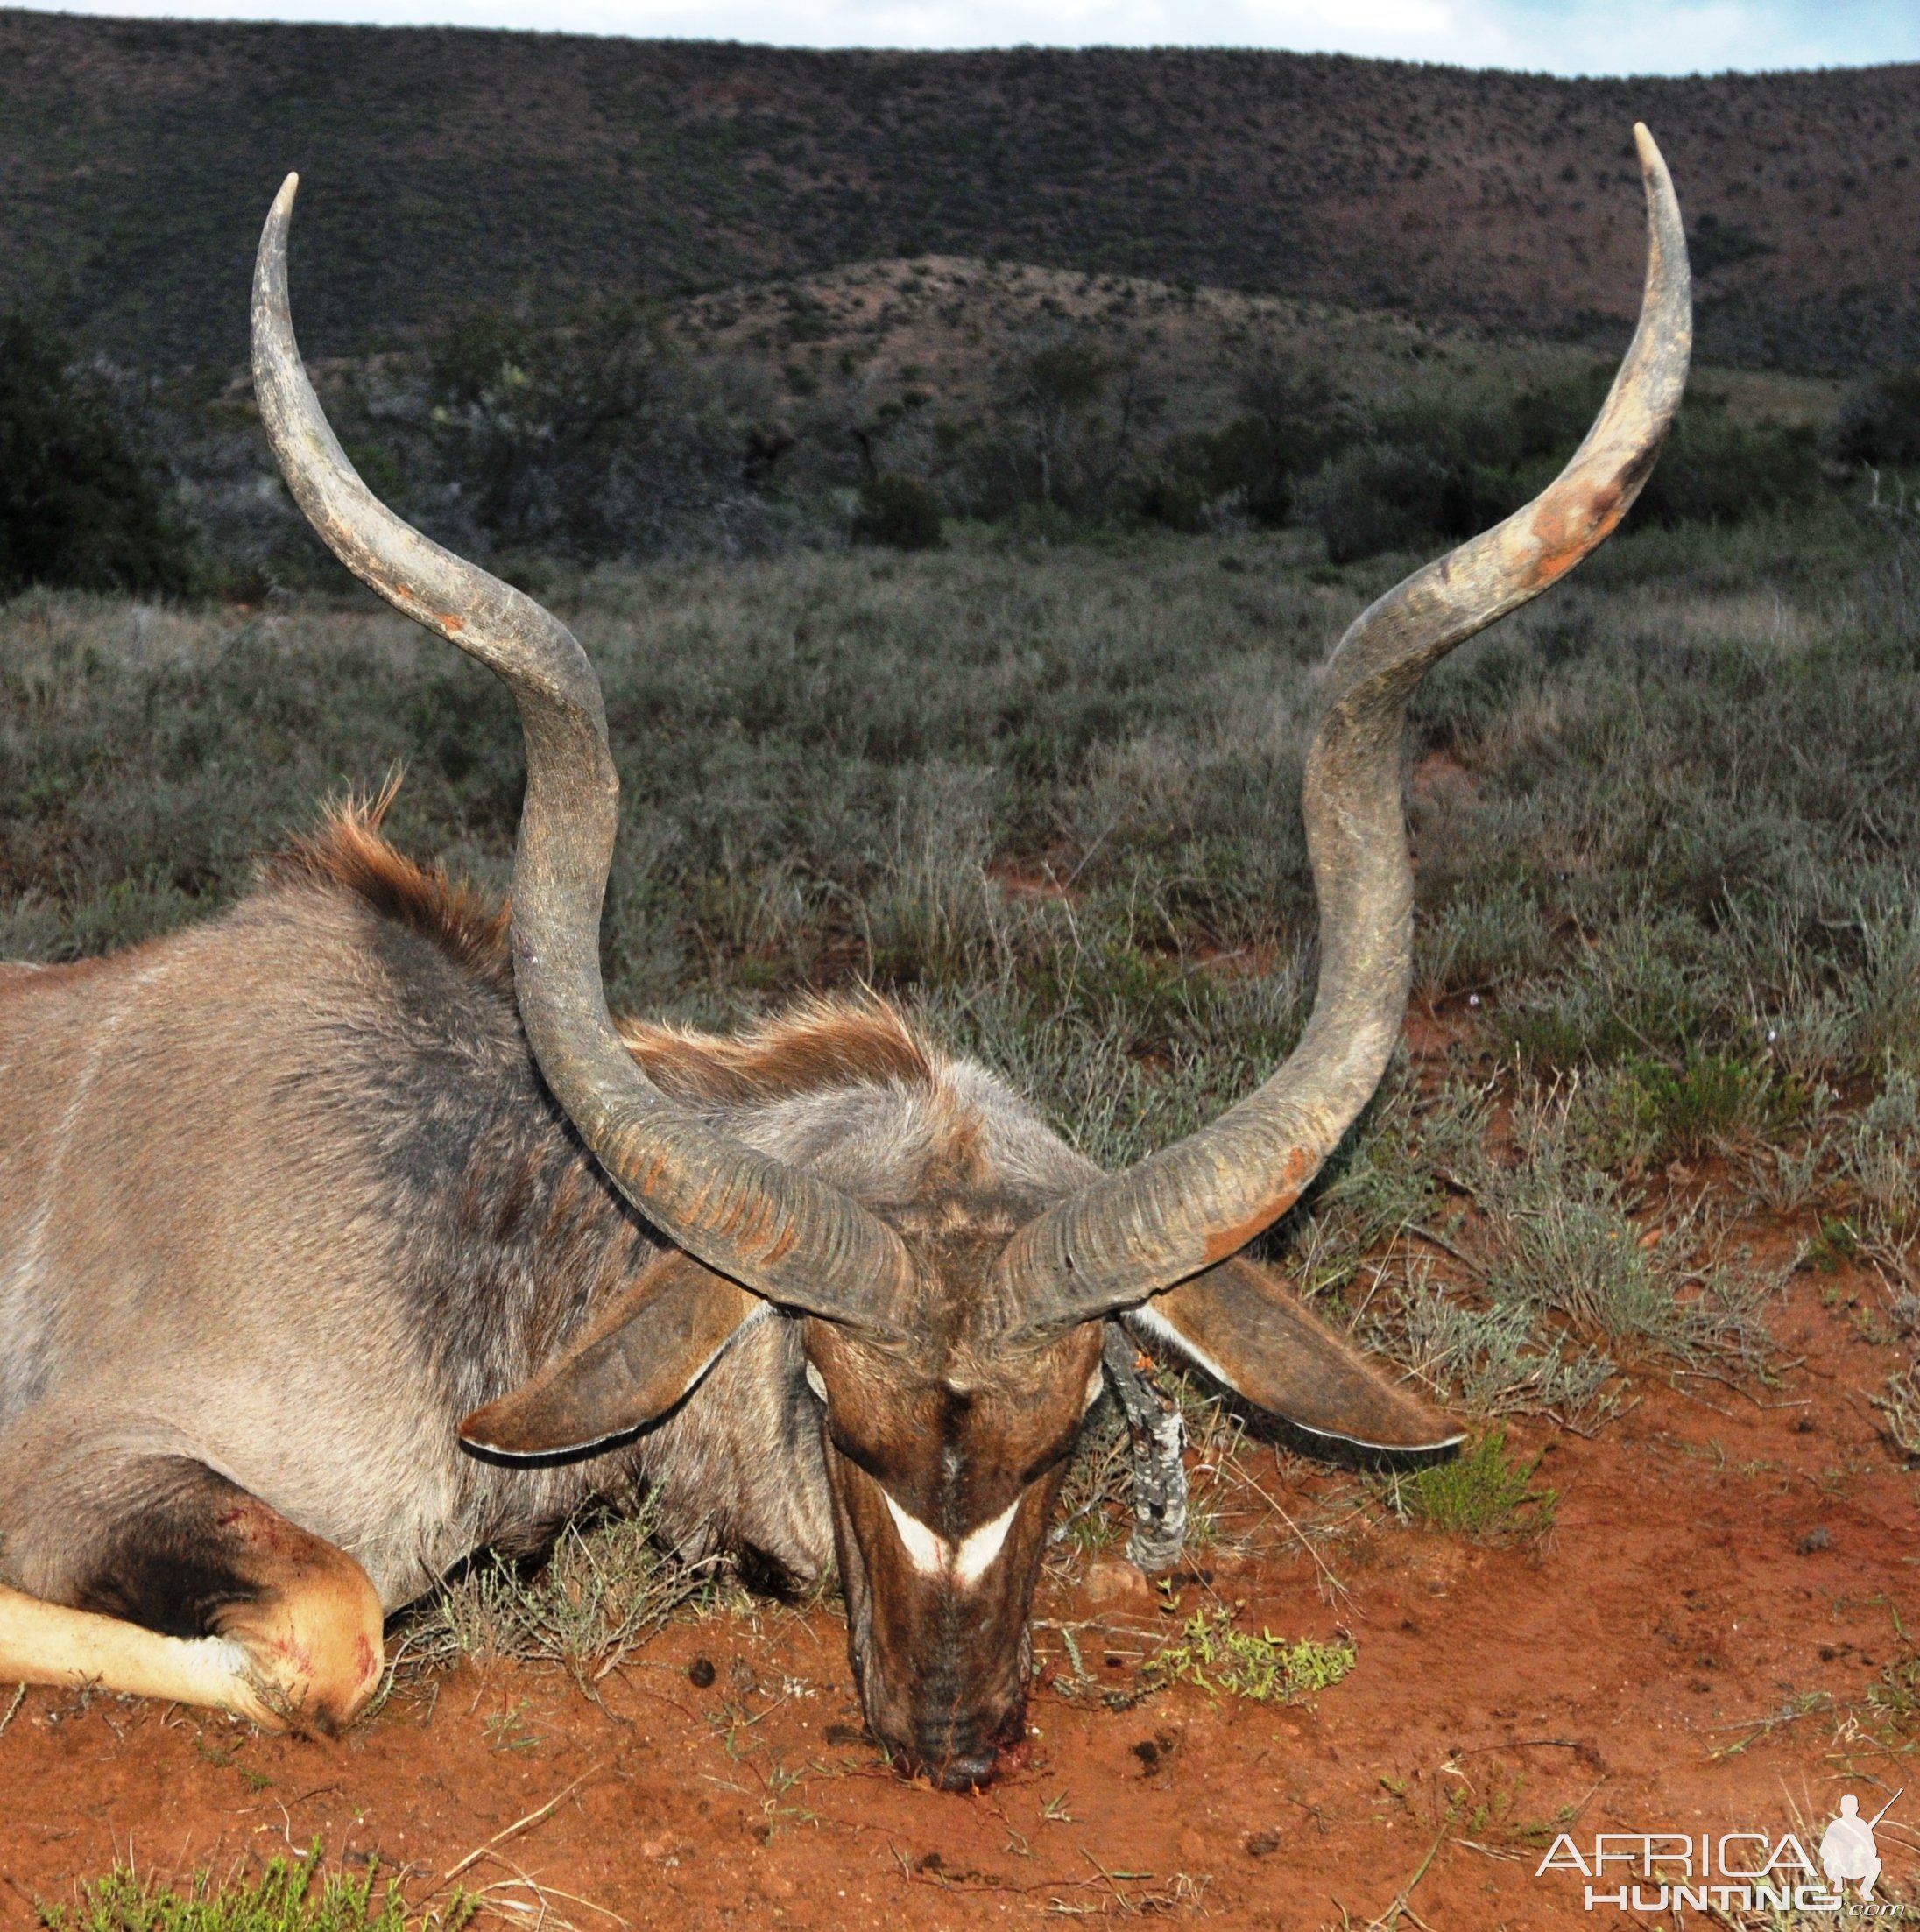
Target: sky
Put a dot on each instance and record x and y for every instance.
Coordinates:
(1566, 36)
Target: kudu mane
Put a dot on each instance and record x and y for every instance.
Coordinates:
(511, 1234)
(820, 1043)
(349, 849)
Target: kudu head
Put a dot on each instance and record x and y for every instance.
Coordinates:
(953, 1341)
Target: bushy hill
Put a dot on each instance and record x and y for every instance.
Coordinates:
(946, 330)
(448, 170)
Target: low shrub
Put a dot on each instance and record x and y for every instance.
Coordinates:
(591, 440)
(1289, 425)
(1879, 420)
(1483, 1493)
(1388, 496)
(80, 507)
(899, 512)
(1716, 470)
(1644, 1110)
(1430, 471)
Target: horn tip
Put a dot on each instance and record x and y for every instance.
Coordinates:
(1649, 149)
(283, 202)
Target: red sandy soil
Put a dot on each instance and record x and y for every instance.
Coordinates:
(1720, 1559)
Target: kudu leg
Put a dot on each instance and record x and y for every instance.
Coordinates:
(205, 1596)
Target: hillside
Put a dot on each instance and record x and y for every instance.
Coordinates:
(450, 169)
(941, 329)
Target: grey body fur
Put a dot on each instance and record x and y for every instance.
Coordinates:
(285, 1195)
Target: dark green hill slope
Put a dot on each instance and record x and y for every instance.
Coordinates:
(447, 169)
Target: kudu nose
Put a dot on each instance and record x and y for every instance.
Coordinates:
(960, 1770)
(961, 1756)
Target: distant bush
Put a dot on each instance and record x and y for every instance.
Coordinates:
(78, 505)
(1716, 244)
(1063, 432)
(1289, 425)
(1176, 491)
(1716, 470)
(1389, 496)
(1879, 420)
(1245, 465)
(1432, 471)
(1293, 422)
(1056, 394)
(898, 512)
(591, 440)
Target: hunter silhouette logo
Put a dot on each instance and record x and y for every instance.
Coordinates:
(1848, 1854)
(1650, 1872)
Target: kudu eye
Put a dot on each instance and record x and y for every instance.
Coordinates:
(816, 1382)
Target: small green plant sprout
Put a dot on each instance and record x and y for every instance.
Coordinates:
(1484, 1494)
(506, 1730)
(1641, 1112)
(290, 1896)
(1210, 1653)
(1836, 1244)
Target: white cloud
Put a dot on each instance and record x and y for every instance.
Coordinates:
(1556, 36)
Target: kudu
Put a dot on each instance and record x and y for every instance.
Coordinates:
(347, 1234)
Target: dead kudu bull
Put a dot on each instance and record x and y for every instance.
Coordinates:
(348, 1234)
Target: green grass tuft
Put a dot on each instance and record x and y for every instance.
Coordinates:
(290, 1896)
(1484, 1493)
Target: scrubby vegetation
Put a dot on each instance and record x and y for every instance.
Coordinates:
(1421, 471)
(79, 504)
(1879, 421)
(1485, 1492)
(1046, 795)
(621, 433)
(1224, 1660)
(590, 438)
(444, 175)
(901, 512)
(288, 1895)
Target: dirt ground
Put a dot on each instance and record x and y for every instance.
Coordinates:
(1691, 1649)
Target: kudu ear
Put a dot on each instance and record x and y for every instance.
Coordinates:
(1245, 1329)
(645, 1351)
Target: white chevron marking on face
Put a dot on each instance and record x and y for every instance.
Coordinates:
(926, 1550)
(979, 1546)
(932, 1555)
